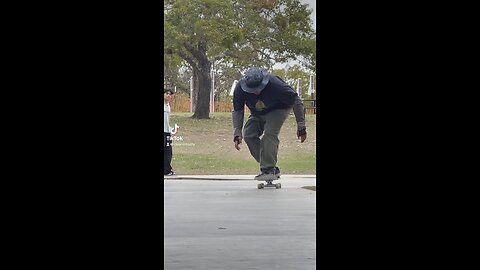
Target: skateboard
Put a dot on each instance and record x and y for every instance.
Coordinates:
(269, 184)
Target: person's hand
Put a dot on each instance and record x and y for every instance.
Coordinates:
(238, 141)
(302, 135)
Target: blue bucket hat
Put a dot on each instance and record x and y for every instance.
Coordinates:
(254, 81)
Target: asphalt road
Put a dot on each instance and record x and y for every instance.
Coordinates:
(226, 223)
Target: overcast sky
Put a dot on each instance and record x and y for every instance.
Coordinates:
(313, 6)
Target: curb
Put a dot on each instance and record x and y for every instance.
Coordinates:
(227, 177)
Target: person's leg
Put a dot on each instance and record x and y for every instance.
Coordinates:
(167, 153)
(251, 134)
(269, 143)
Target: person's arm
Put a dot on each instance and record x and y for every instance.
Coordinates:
(238, 115)
(290, 97)
(298, 110)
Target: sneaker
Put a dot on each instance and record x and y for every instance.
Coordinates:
(266, 176)
(169, 174)
(276, 171)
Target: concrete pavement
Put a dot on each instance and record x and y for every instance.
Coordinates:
(225, 222)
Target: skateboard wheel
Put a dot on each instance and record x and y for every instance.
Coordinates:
(278, 185)
(260, 186)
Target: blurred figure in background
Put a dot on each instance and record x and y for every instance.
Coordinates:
(167, 135)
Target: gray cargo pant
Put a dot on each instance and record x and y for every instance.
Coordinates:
(265, 150)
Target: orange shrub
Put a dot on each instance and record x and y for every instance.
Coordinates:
(181, 103)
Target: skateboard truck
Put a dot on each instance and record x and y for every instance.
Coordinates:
(269, 184)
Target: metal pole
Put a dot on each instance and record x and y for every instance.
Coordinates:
(174, 103)
(212, 94)
(191, 94)
(313, 84)
(310, 86)
(233, 87)
(299, 90)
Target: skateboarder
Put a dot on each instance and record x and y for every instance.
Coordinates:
(167, 136)
(270, 101)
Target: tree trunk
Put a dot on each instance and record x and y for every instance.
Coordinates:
(202, 106)
(196, 57)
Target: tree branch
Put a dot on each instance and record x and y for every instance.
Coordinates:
(197, 53)
(264, 54)
(188, 59)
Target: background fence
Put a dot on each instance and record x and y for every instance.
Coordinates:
(181, 103)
